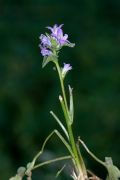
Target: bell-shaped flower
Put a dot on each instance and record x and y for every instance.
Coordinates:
(65, 69)
(55, 29)
(57, 32)
(45, 51)
(45, 40)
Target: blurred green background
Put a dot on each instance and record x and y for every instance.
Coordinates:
(28, 92)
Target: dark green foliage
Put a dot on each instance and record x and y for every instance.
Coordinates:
(27, 93)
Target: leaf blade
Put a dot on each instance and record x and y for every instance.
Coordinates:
(71, 108)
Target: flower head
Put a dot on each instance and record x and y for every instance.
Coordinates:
(50, 44)
(57, 32)
(65, 69)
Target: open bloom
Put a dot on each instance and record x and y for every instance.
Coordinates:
(57, 32)
(65, 69)
(45, 51)
(55, 29)
(45, 40)
(53, 42)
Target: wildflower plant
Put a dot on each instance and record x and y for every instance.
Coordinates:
(50, 46)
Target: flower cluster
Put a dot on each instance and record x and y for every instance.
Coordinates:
(53, 42)
(57, 33)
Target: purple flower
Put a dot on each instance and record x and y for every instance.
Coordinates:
(57, 32)
(45, 40)
(65, 69)
(52, 43)
(55, 29)
(45, 52)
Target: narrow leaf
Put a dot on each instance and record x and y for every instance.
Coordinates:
(71, 108)
(113, 171)
(59, 122)
(91, 154)
(59, 172)
(66, 115)
(47, 139)
(52, 161)
(70, 44)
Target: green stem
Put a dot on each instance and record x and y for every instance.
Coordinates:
(69, 127)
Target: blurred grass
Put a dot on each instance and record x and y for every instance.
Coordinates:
(27, 92)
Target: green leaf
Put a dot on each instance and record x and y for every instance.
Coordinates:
(48, 59)
(71, 108)
(59, 172)
(47, 139)
(113, 171)
(66, 115)
(60, 123)
(69, 44)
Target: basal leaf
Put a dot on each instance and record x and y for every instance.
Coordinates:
(17, 177)
(113, 171)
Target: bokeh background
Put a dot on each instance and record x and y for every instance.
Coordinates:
(28, 92)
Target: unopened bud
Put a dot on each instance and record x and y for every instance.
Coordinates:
(60, 98)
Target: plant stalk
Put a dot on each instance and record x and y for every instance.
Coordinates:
(77, 163)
